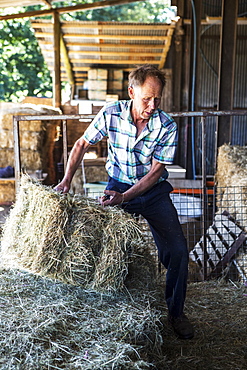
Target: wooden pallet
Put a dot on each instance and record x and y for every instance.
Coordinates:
(223, 241)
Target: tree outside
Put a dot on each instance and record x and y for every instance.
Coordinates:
(23, 69)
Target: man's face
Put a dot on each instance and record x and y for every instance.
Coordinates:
(145, 98)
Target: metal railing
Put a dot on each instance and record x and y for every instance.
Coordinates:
(203, 115)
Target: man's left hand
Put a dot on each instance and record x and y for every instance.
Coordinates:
(111, 198)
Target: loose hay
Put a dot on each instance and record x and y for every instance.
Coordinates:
(74, 239)
(50, 325)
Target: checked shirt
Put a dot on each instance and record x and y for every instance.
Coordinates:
(130, 157)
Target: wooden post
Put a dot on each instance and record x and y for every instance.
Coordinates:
(57, 61)
(227, 68)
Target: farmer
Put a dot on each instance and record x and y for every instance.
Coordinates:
(141, 141)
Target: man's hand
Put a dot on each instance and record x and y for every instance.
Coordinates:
(63, 186)
(111, 198)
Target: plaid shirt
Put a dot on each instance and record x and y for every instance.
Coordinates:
(130, 158)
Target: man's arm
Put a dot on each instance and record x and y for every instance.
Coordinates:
(77, 153)
(146, 183)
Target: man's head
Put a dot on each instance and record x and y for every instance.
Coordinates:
(146, 84)
(139, 75)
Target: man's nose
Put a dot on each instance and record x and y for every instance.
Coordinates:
(152, 103)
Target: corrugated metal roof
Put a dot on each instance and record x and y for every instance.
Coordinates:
(106, 44)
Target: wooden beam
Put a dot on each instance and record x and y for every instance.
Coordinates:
(103, 37)
(227, 68)
(215, 20)
(113, 53)
(115, 61)
(166, 49)
(66, 61)
(177, 66)
(105, 27)
(106, 45)
(47, 2)
(56, 78)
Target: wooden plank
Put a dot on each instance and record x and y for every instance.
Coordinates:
(111, 53)
(229, 255)
(227, 68)
(103, 37)
(106, 45)
(166, 49)
(230, 225)
(57, 62)
(104, 27)
(114, 61)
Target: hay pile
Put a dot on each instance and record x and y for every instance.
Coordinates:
(51, 325)
(64, 319)
(37, 138)
(74, 239)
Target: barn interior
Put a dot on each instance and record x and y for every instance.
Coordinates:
(203, 51)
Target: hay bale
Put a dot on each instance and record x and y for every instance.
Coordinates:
(74, 239)
(231, 178)
(37, 138)
(7, 190)
(231, 165)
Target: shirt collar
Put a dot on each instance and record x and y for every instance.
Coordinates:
(152, 123)
(126, 114)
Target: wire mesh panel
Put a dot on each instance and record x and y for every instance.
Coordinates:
(216, 242)
(221, 250)
(213, 220)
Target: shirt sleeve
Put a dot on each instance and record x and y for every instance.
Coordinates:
(166, 146)
(97, 130)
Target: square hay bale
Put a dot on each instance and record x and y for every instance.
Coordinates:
(231, 178)
(231, 162)
(72, 239)
(7, 190)
(37, 138)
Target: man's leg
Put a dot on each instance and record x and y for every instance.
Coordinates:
(172, 249)
(157, 208)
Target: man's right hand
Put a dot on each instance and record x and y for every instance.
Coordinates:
(63, 186)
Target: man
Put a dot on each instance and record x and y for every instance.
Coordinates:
(141, 141)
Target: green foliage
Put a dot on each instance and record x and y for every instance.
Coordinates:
(144, 11)
(23, 70)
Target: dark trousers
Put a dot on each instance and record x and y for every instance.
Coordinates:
(157, 208)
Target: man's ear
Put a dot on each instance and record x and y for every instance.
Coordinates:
(131, 92)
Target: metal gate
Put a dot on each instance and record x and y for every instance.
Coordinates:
(216, 242)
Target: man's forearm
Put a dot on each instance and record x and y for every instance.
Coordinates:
(75, 158)
(146, 183)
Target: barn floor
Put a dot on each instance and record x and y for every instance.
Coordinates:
(218, 311)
